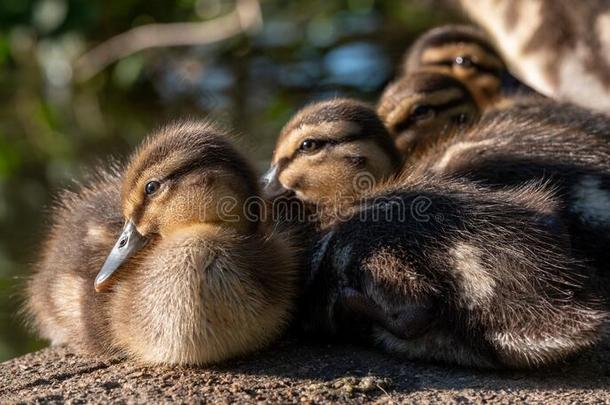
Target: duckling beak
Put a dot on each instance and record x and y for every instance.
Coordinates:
(271, 184)
(128, 243)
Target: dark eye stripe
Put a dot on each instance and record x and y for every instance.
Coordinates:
(211, 160)
(448, 63)
(384, 142)
(464, 99)
(184, 169)
(484, 69)
(479, 67)
(333, 142)
(284, 162)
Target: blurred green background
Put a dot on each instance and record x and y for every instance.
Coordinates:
(54, 122)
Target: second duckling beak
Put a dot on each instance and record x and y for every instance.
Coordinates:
(271, 184)
(128, 243)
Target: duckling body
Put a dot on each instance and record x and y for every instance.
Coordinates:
(191, 280)
(210, 309)
(85, 226)
(566, 145)
(447, 271)
(558, 47)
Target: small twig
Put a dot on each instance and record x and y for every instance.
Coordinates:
(386, 393)
(246, 16)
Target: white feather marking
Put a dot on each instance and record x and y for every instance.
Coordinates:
(457, 149)
(474, 280)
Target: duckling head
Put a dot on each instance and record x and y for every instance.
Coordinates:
(463, 52)
(420, 107)
(331, 151)
(185, 175)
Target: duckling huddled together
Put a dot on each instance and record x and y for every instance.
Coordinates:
(439, 259)
(464, 219)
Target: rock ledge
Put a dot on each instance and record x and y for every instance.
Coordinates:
(296, 372)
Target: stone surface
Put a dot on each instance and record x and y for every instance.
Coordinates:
(296, 372)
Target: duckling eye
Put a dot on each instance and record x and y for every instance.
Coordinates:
(310, 145)
(422, 112)
(152, 187)
(462, 118)
(464, 61)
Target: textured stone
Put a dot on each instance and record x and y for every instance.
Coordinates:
(298, 372)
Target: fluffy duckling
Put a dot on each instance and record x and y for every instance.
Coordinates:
(84, 229)
(420, 108)
(558, 47)
(195, 277)
(447, 271)
(541, 139)
(330, 153)
(531, 140)
(465, 53)
(561, 222)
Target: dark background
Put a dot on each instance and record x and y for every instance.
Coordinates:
(54, 126)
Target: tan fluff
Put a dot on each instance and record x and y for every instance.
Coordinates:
(211, 283)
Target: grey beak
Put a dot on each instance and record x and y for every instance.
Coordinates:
(271, 184)
(128, 243)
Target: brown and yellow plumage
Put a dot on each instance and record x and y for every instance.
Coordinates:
(205, 283)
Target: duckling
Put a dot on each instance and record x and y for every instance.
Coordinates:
(421, 108)
(195, 276)
(85, 225)
(558, 47)
(541, 139)
(465, 53)
(446, 270)
(330, 153)
(529, 142)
